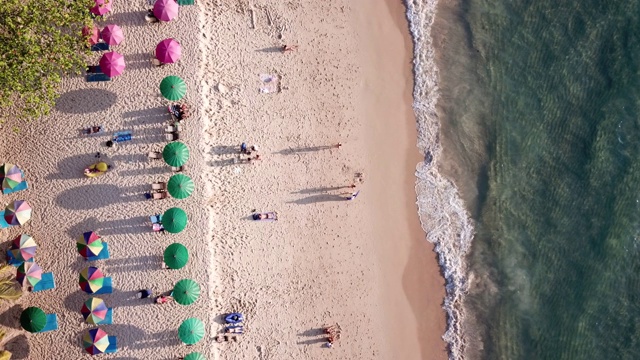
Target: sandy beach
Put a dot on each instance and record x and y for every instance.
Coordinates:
(364, 263)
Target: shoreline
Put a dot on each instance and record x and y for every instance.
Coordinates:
(411, 275)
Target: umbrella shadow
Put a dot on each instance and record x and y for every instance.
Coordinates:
(317, 199)
(156, 170)
(19, 347)
(95, 196)
(135, 225)
(225, 149)
(292, 151)
(130, 18)
(73, 102)
(150, 116)
(127, 298)
(11, 317)
(72, 167)
(134, 264)
(73, 302)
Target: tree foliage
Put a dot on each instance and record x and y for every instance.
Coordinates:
(8, 288)
(40, 41)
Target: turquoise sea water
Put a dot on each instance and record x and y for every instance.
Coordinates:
(541, 107)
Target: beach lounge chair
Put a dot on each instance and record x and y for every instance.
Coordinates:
(52, 323)
(101, 46)
(46, 283)
(172, 136)
(171, 129)
(122, 136)
(177, 169)
(94, 69)
(159, 195)
(104, 254)
(97, 77)
(22, 186)
(107, 286)
(155, 155)
(3, 223)
(156, 219)
(159, 186)
(113, 345)
(11, 260)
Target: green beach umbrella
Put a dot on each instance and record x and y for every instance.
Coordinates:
(195, 356)
(173, 88)
(180, 186)
(174, 220)
(176, 256)
(33, 319)
(175, 154)
(186, 292)
(191, 331)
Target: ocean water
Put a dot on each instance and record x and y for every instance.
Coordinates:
(539, 105)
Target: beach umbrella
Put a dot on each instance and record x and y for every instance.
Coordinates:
(176, 256)
(29, 273)
(112, 64)
(94, 310)
(180, 186)
(175, 153)
(89, 244)
(23, 247)
(93, 34)
(91, 279)
(95, 341)
(191, 331)
(173, 88)
(165, 10)
(101, 7)
(11, 176)
(195, 356)
(168, 51)
(33, 319)
(174, 220)
(186, 292)
(17, 213)
(112, 34)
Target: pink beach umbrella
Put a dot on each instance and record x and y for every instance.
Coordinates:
(165, 10)
(92, 33)
(112, 34)
(112, 64)
(168, 51)
(101, 7)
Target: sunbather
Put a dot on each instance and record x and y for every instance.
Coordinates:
(239, 329)
(163, 299)
(272, 215)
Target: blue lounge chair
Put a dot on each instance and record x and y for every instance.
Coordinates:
(3, 223)
(101, 46)
(97, 77)
(156, 219)
(46, 283)
(94, 69)
(22, 186)
(104, 254)
(122, 136)
(107, 287)
(52, 323)
(113, 345)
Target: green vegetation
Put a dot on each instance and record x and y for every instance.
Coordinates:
(40, 41)
(4, 354)
(8, 288)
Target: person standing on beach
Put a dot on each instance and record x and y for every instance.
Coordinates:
(354, 195)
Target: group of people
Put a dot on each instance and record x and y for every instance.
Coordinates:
(333, 333)
(161, 299)
(179, 111)
(249, 150)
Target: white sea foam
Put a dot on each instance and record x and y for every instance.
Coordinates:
(442, 213)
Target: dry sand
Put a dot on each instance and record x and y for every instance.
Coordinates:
(362, 263)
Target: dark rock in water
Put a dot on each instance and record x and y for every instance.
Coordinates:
(428, 158)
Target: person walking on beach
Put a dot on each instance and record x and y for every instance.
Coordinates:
(288, 48)
(354, 195)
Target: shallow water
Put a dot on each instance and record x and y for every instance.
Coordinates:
(539, 106)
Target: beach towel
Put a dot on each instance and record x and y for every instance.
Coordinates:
(97, 77)
(47, 282)
(122, 136)
(22, 186)
(3, 223)
(113, 345)
(106, 288)
(270, 83)
(104, 254)
(52, 323)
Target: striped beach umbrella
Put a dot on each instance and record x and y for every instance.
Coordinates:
(173, 88)
(95, 341)
(33, 319)
(112, 34)
(94, 310)
(176, 256)
(112, 64)
(174, 220)
(89, 244)
(29, 273)
(191, 331)
(195, 356)
(165, 10)
(186, 292)
(23, 247)
(175, 153)
(91, 279)
(180, 186)
(17, 213)
(10, 175)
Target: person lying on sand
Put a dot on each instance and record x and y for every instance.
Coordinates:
(286, 48)
(265, 216)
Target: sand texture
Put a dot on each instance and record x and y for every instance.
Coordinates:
(326, 260)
